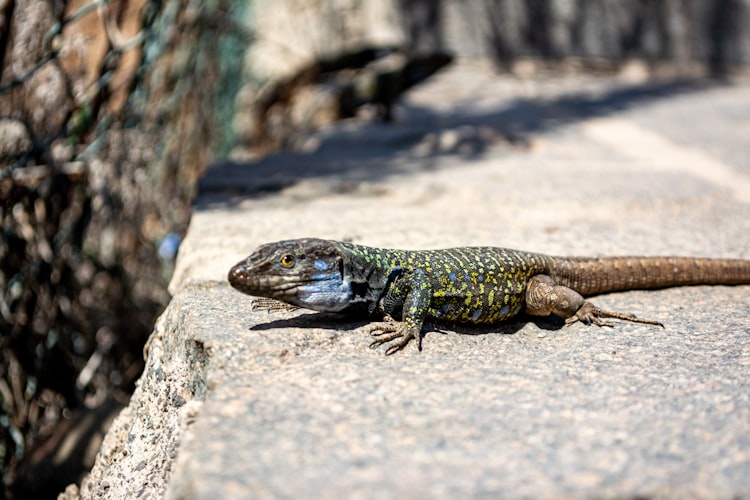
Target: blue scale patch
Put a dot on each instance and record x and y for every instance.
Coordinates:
(328, 292)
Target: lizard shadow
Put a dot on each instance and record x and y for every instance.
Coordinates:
(508, 327)
(314, 320)
(342, 322)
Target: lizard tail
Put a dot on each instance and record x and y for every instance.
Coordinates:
(592, 276)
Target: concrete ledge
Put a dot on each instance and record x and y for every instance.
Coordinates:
(242, 403)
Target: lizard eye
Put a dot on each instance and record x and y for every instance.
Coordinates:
(287, 260)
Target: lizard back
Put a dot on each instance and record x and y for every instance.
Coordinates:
(488, 284)
(469, 284)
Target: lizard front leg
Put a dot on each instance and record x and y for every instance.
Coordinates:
(418, 294)
(544, 296)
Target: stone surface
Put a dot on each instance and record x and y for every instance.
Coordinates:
(242, 403)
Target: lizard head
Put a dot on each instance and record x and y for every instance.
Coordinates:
(304, 272)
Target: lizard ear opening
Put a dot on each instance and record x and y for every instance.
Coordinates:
(340, 262)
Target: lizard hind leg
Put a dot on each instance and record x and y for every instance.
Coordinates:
(544, 297)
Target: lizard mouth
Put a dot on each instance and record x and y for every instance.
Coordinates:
(252, 283)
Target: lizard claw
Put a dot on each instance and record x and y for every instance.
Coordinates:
(589, 313)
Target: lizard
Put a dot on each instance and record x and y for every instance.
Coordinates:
(479, 285)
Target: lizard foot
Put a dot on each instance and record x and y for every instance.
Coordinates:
(266, 304)
(590, 314)
(390, 331)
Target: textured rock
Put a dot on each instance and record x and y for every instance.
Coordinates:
(241, 403)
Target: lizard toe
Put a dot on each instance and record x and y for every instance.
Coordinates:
(384, 339)
(590, 314)
(397, 346)
(397, 333)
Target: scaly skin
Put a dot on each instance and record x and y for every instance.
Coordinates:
(480, 285)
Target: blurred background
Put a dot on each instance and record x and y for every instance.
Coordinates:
(111, 110)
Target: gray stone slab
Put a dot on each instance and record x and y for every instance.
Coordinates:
(244, 403)
(300, 407)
